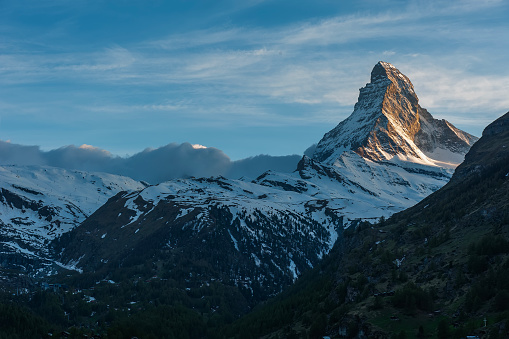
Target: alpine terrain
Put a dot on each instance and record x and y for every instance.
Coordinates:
(209, 249)
(261, 235)
(438, 269)
(38, 204)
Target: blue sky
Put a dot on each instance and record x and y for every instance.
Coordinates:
(247, 77)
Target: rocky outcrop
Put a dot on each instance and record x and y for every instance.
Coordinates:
(491, 152)
(501, 125)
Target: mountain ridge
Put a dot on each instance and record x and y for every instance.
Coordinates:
(39, 203)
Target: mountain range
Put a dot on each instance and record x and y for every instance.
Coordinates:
(248, 238)
(279, 225)
(438, 269)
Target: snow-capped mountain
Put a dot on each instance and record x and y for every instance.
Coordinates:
(39, 204)
(356, 188)
(465, 225)
(258, 238)
(260, 235)
(388, 124)
(389, 154)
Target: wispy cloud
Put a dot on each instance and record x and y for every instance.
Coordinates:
(457, 92)
(110, 59)
(246, 75)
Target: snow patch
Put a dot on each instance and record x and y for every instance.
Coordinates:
(256, 260)
(293, 269)
(183, 212)
(19, 249)
(70, 267)
(234, 241)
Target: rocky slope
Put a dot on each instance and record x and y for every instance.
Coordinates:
(242, 233)
(388, 122)
(39, 204)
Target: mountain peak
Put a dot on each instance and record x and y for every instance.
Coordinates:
(384, 71)
(387, 121)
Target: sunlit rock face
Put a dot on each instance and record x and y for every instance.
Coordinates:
(388, 122)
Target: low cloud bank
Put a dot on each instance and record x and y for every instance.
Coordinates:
(152, 165)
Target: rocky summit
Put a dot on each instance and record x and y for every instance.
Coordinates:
(388, 122)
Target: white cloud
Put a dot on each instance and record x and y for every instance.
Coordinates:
(457, 92)
(198, 38)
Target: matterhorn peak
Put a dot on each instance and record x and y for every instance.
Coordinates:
(384, 71)
(388, 122)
